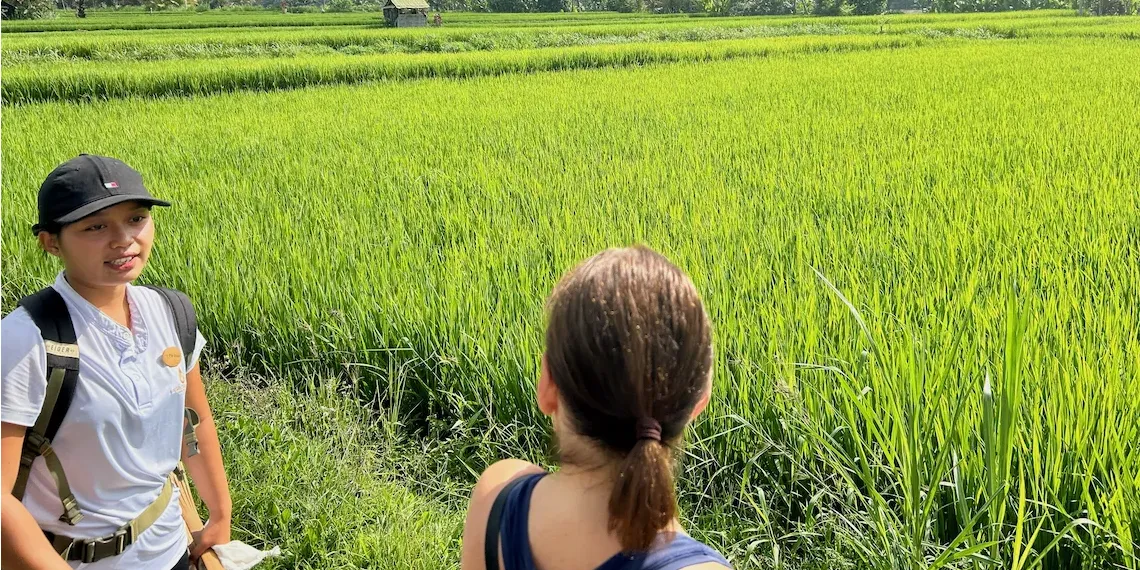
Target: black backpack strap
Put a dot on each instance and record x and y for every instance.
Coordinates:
(186, 326)
(185, 320)
(50, 314)
(494, 521)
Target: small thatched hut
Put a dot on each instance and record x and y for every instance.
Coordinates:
(406, 13)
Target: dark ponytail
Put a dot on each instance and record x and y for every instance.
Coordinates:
(629, 347)
(643, 500)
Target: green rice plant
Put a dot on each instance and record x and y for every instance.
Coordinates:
(274, 43)
(378, 41)
(133, 20)
(106, 80)
(508, 32)
(111, 20)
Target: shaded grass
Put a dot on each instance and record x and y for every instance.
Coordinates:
(310, 472)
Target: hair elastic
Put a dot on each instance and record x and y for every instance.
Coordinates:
(648, 428)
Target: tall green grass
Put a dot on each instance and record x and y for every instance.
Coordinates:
(313, 474)
(921, 265)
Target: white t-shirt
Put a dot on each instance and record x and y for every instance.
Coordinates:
(122, 435)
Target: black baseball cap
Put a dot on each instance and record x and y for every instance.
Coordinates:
(86, 184)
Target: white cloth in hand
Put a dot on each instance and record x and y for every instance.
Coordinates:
(237, 555)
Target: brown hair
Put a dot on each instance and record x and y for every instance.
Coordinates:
(629, 346)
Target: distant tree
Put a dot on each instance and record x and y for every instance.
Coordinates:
(672, 6)
(511, 5)
(552, 5)
(157, 5)
(763, 7)
(868, 7)
(80, 9)
(587, 5)
(828, 7)
(718, 7)
(32, 9)
(624, 5)
(1108, 7)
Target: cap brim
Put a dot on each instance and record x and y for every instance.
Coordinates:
(88, 209)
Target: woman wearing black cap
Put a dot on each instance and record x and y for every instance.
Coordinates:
(97, 377)
(627, 366)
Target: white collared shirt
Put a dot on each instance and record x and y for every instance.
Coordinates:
(122, 435)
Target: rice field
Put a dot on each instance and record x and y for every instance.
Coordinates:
(364, 38)
(918, 238)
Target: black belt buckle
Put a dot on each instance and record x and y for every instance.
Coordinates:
(89, 551)
(121, 540)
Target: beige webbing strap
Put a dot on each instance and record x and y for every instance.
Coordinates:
(36, 445)
(30, 452)
(155, 510)
(95, 549)
(54, 383)
(71, 514)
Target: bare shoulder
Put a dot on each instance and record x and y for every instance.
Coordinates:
(493, 479)
(500, 473)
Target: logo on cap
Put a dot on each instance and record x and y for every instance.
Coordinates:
(110, 184)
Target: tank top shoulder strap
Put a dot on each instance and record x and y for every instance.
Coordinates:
(681, 552)
(514, 516)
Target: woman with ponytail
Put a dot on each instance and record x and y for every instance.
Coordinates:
(628, 364)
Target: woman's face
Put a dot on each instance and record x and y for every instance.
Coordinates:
(106, 249)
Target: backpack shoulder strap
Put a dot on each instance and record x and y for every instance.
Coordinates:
(50, 314)
(185, 320)
(186, 326)
(494, 522)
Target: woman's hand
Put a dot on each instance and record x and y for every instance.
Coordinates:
(216, 531)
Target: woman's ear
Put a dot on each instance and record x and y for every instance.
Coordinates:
(547, 391)
(49, 242)
(704, 401)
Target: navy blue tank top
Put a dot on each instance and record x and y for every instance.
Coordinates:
(681, 552)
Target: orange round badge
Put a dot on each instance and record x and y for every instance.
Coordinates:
(171, 356)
